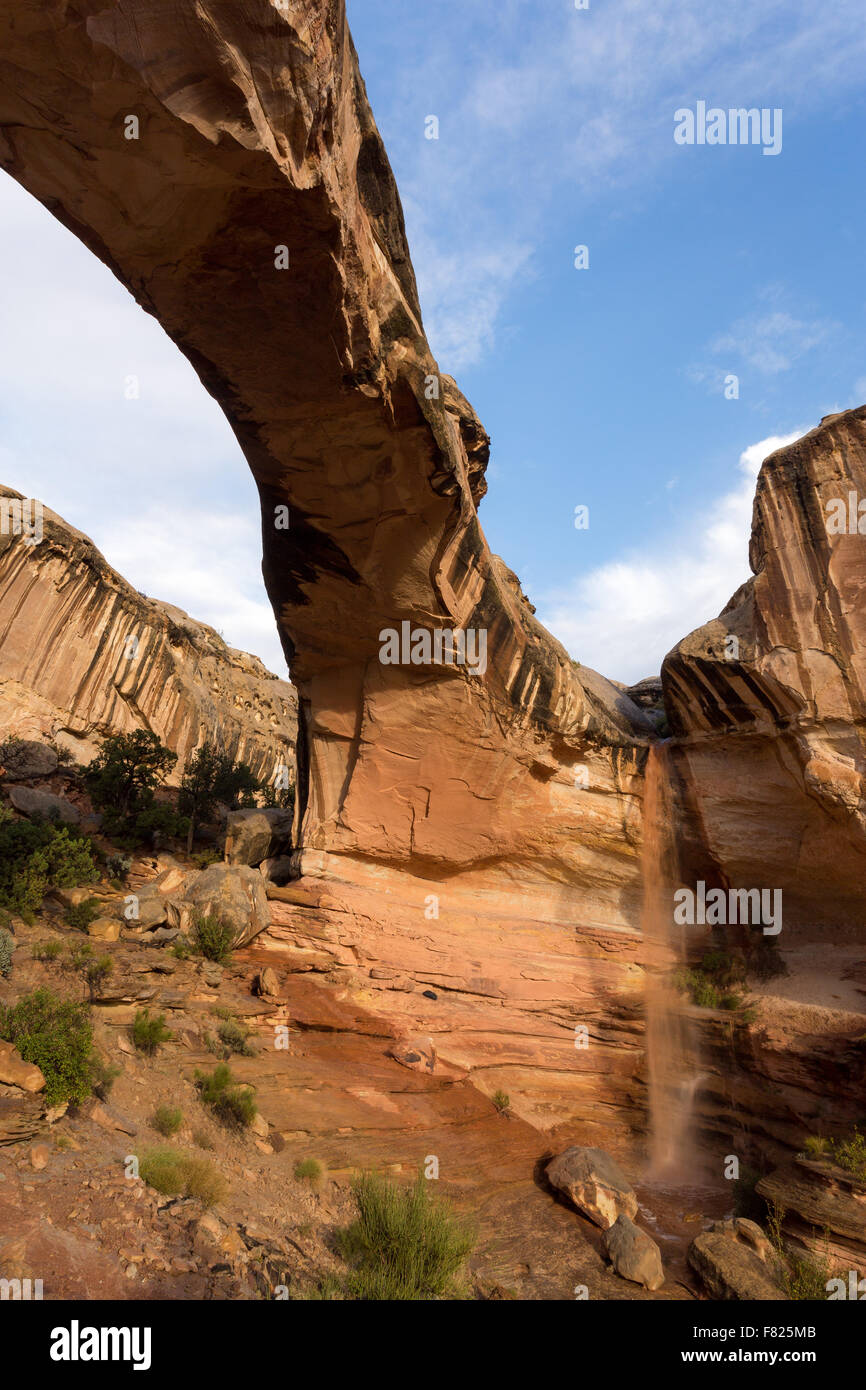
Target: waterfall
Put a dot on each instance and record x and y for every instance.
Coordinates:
(671, 1080)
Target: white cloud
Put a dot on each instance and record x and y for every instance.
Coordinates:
(623, 617)
(158, 483)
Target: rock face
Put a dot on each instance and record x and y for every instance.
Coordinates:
(823, 1207)
(83, 654)
(595, 1184)
(769, 700)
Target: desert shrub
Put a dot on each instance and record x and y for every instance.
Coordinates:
(179, 949)
(79, 956)
(47, 951)
(766, 963)
(710, 984)
(803, 1278)
(7, 947)
(117, 866)
(235, 1037)
(174, 1174)
(213, 937)
(167, 1120)
(233, 1104)
(36, 856)
(80, 915)
(97, 973)
(404, 1244)
(501, 1101)
(309, 1169)
(817, 1146)
(206, 857)
(202, 1139)
(104, 1076)
(851, 1154)
(55, 1035)
(148, 1033)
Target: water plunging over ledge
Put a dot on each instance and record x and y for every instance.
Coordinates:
(672, 1079)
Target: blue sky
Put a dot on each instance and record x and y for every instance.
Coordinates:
(601, 387)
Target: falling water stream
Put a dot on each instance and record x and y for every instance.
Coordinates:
(670, 1050)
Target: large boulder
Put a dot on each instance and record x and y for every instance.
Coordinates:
(254, 835)
(633, 1254)
(235, 893)
(22, 758)
(730, 1267)
(31, 802)
(594, 1183)
(14, 1071)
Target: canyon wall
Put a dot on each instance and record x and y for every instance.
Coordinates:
(768, 701)
(83, 654)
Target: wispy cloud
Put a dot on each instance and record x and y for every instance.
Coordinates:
(545, 102)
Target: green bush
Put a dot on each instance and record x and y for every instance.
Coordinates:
(117, 866)
(232, 1037)
(817, 1146)
(167, 1120)
(213, 937)
(404, 1245)
(36, 856)
(80, 915)
(148, 1033)
(309, 1169)
(104, 1076)
(501, 1101)
(97, 973)
(802, 1277)
(230, 1102)
(47, 951)
(173, 1173)
(7, 947)
(55, 1035)
(851, 1154)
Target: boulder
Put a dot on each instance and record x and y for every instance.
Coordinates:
(633, 1254)
(152, 909)
(278, 870)
(254, 835)
(22, 758)
(234, 893)
(594, 1183)
(31, 802)
(105, 929)
(40, 1155)
(14, 1071)
(730, 1269)
(266, 983)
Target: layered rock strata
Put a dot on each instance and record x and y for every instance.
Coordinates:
(83, 654)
